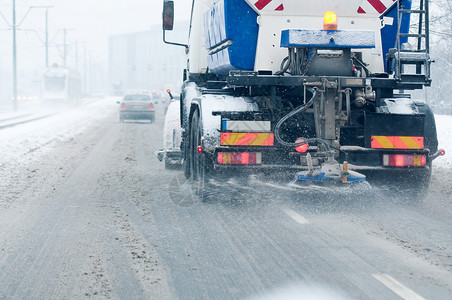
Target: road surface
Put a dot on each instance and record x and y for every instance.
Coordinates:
(92, 213)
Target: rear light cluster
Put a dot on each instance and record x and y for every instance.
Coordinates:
(123, 105)
(404, 160)
(239, 158)
(151, 105)
(302, 148)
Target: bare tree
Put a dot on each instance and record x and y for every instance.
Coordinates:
(440, 48)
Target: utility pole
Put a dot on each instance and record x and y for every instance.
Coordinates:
(14, 26)
(65, 45)
(91, 81)
(93, 89)
(85, 72)
(76, 55)
(14, 58)
(64, 48)
(47, 38)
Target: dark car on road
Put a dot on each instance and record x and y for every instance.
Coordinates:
(136, 107)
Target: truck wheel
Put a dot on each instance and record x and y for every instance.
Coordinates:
(168, 166)
(187, 159)
(198, 161)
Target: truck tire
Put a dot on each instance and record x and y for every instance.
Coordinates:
(168, 165)
(171, 166)
(413, 184)
(198, 161)
(431, 139)
(418, 182)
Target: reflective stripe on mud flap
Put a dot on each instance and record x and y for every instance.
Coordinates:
(246, 126)
(397, 142)
(247, 139)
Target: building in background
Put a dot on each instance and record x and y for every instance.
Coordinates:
(142, 61)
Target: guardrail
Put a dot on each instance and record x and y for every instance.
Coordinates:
(21, 119)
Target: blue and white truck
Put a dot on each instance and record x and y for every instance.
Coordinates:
(317, 90)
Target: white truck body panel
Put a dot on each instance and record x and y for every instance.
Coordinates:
(197, 55)
(278, 15)
(269, 54)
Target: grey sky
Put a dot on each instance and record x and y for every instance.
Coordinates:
(88, 21)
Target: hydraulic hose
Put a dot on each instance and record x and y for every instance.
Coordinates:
(284, 66)
(298, 110)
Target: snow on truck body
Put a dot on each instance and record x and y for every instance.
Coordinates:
(265, 77)
(171, 153)
(250, 34)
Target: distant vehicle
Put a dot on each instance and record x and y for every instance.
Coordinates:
(156, 94)
(136, 107)
(26, 98)
(61, 85)
(98, 94)
(117, 89)
(150, 94)
(172, 138)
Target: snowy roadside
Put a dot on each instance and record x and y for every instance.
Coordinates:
(438, 200)
(444, 128)
(16, 142)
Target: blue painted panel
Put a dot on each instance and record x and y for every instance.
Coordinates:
(231, 20)
(327, 38)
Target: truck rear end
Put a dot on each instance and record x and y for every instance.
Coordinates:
(313, 90)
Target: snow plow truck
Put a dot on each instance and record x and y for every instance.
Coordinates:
(317, 90)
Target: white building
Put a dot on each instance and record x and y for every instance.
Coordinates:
(142, 61)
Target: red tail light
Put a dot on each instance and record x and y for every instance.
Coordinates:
(239, 158)
(404, 160)
(302, 148)
(151, 105)
(123, 105)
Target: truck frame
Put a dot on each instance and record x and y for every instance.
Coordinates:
(280, 86)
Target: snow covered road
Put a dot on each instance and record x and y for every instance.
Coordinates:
(86, 209)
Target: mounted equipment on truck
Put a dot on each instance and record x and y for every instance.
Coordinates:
(317, 90)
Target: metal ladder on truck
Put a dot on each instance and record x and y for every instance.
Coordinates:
(420, 56)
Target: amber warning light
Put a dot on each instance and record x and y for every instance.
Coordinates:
(330, 21)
